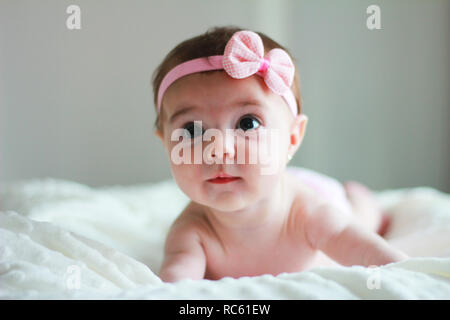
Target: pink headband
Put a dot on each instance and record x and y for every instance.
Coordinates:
(242, 58)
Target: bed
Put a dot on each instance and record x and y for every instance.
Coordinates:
(64, 240)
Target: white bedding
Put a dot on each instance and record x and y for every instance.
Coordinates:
(64, 240)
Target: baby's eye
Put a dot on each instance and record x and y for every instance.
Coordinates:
(248, 123)
(193, 129)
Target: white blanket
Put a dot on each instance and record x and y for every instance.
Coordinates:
(63, 240)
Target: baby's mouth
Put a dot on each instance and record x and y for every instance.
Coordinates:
(223, 178)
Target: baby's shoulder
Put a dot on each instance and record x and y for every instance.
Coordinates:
(304, 198)
(312, 217)
(307, 203)
(185, 231)
(191, 220)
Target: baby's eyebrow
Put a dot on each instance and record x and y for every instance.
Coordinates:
(246, 102)
(180, 112)
(237, 103)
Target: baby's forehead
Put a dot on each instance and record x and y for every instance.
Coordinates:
(215, 87)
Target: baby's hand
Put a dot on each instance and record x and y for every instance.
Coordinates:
(183, 254)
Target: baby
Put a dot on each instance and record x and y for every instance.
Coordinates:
(250, 217)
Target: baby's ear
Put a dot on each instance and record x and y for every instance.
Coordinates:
(303, 123)
(297, 133)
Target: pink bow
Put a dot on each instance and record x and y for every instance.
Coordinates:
(244, 56)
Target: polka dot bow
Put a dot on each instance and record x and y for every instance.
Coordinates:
(244, 56)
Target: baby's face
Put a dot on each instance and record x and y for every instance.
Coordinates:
(245, 107)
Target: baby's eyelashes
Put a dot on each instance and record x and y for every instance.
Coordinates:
(194, 129)
(248, 123)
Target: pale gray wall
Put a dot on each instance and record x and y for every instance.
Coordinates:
(378, 101)
(77, 105)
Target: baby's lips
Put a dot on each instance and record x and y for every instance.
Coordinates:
(222, 175)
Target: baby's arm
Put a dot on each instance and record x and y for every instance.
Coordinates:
(346, 242)
(183, 255)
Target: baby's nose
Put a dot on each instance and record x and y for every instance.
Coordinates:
(224, 147)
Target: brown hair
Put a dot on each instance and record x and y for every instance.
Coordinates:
(211, 43)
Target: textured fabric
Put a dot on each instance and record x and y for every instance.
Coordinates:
(103, 236)
(243, 57)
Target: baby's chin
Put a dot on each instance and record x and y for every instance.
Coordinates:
(226, 201)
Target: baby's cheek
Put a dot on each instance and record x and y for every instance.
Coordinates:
(246, 151)
(257, 148)
(185, 177)
(272, 152)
